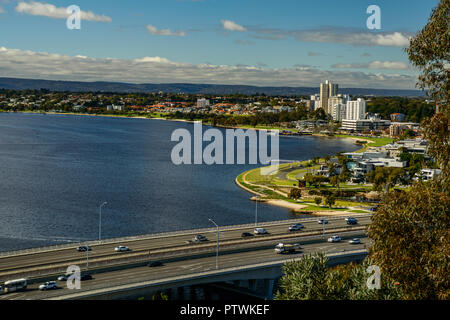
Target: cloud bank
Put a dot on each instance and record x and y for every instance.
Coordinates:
(388, 65)
(41, 65)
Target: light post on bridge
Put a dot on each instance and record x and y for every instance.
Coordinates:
(100, 222)
(218, 239)
(256, 212)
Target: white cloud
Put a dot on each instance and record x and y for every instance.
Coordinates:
(49, 10)
(152, 59)
(389, 65)
(41, 65)
(232, 26)
(395, 39)
(164, 32)
(340, 35)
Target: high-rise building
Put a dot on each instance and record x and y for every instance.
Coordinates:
(336, 99)
(327, 90)
(356, 110)
(339, 110)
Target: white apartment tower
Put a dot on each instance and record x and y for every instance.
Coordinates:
(339, 111)
(356, 110)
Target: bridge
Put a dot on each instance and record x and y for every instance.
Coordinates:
(248, 262)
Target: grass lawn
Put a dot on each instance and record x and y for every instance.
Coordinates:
(373, 141)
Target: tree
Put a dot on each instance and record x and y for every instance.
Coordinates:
(410, 233)
(428, 51)
(330, 200)
(318, 200)
(411, 230)
(334, 180)
(295, 193)
(312, 279)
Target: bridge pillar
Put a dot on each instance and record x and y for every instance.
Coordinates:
(252, 285)
(268, 288)
(187, 293)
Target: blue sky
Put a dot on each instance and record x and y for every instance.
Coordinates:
(295, 43)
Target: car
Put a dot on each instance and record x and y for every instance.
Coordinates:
(84, 248)
(200, 238)
(351, 220)
(48, 286)
(122, 249)
(64, 277)
(322, 221)
(355, 241)
(153, 264)
(246, 235)
(260, 231)
(296, 227)
(86, 277)
(334, 239)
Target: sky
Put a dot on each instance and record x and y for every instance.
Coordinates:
(247, 42)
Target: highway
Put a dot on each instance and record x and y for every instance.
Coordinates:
(190, 265)
(68, 256)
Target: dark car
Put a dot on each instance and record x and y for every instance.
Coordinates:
(200, 238)
(86, 277)
(155, 264)
(246, 235)
(351, 221)
(84, 248)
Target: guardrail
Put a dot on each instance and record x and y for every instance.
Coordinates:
(192, 250)
(158, 235)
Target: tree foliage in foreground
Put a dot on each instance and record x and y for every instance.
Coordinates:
(311, 279)
(410, 231)
(410, 234)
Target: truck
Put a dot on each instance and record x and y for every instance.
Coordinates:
(286, 248)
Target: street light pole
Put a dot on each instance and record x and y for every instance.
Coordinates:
(256, 213)
(100, 222)
(218, 239)
(323, 228)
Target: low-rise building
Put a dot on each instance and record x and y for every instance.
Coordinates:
(366, 125)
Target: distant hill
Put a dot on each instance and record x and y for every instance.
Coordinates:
(77, 86)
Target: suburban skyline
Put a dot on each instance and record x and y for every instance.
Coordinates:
(288, 43)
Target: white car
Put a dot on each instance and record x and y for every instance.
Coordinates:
(296, 227)
(355, 241)
(260, 231)
(48, 286)
(122, 249)
(334, 239)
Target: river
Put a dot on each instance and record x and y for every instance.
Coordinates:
(56, 170)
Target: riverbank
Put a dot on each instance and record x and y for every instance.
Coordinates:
(272, 195)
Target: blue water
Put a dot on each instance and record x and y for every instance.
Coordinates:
(55, 171)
